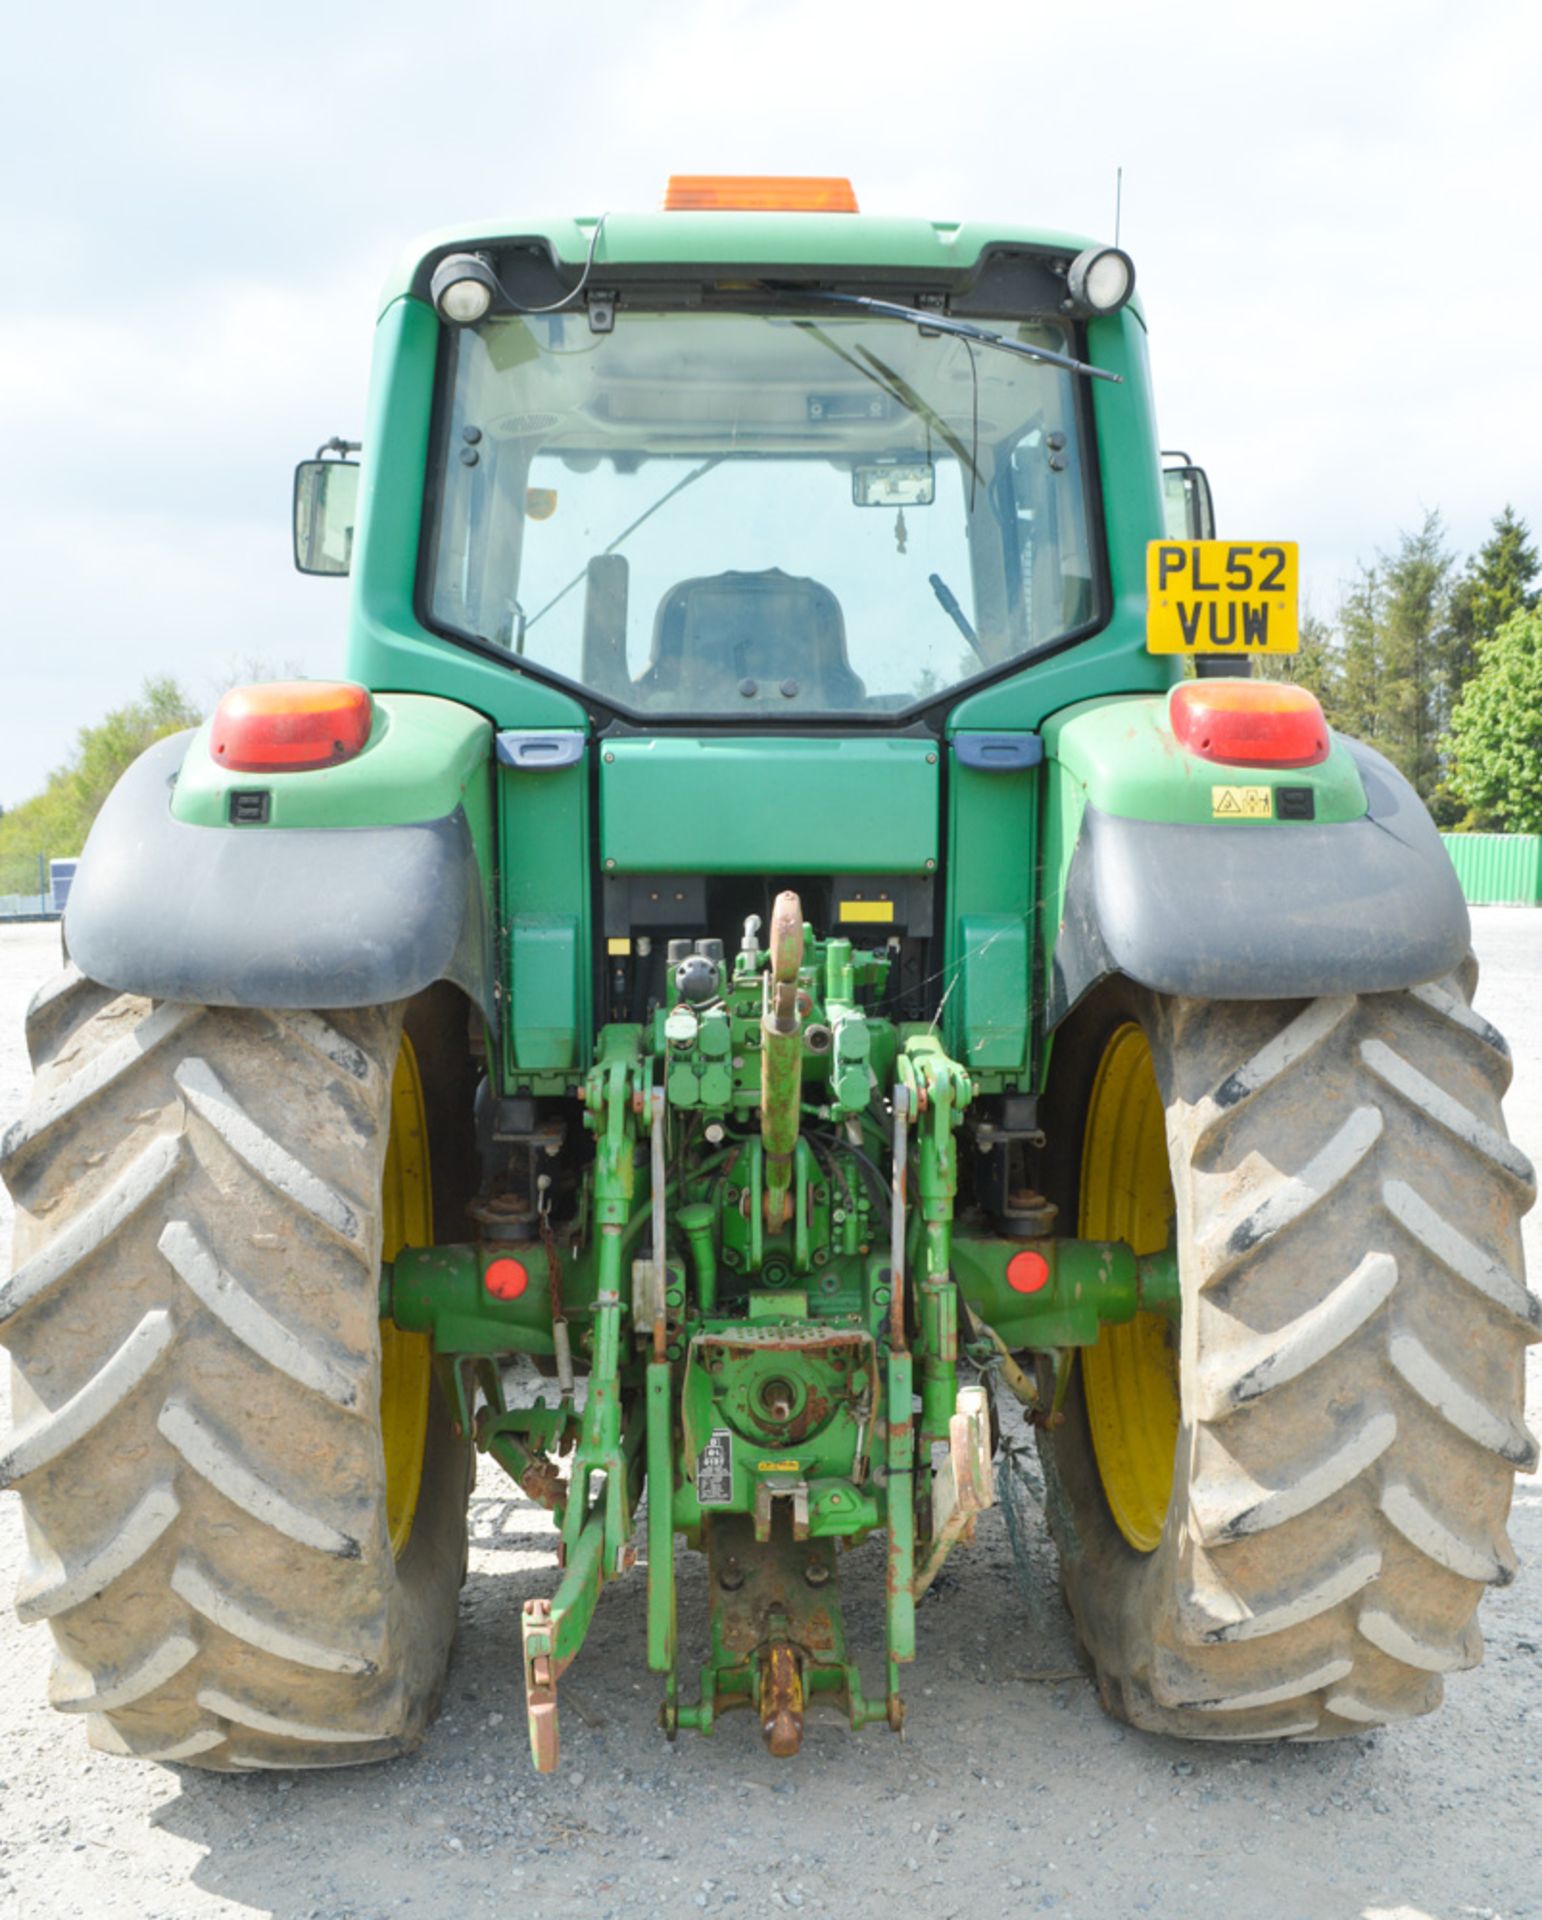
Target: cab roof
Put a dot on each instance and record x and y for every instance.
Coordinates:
(943, 253)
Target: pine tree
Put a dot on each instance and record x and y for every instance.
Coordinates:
(1358, 705)
(1317, 667)
(1413, 633)
(1408, 639)
(1495, 585)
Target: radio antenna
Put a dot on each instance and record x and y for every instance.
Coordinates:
(1118, 200)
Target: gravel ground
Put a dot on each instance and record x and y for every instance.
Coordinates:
(1011, 1794)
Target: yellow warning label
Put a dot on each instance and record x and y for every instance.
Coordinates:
(1242, 803)
(776, 1466)
(867, 910)
(618, 946)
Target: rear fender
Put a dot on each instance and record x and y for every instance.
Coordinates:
(1146, 876)
(360, 884)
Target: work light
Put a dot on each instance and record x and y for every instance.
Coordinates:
(1100, 280)
(462, 288)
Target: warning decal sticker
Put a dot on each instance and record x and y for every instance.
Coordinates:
(1242, 803)
(715, 1469)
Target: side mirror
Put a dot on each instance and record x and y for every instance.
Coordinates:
(1187, 508)
(326, 499)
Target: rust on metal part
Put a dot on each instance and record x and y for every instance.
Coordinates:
(767, 1591)
(540, 1687)
(780, 1704)
(787, 942)
(792, 1495)
(964, 1487)
(897, 1340)
(781, 1059)
(553, 1261)
(786, 1409)
(658, 1176)
(543, 1483)
(897, 1576)
(502, 1217)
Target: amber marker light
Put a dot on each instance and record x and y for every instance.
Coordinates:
(758, 193)
(290, 726)
(1249, 723)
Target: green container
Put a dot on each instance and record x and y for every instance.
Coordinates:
(1498, 869)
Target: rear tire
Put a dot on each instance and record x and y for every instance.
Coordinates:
(192, 1319)
(1349, 1365)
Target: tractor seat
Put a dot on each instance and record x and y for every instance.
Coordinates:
(714, 634)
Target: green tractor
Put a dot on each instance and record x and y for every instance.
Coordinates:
(775, 947)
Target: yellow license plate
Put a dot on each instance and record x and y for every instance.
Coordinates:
(1221, 596)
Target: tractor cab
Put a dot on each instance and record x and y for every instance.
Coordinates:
(779, 516)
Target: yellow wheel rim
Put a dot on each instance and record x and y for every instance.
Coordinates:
(1130, 1378)
(406, 1360)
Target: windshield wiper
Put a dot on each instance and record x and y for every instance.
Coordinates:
(945, 323)
(888, 381)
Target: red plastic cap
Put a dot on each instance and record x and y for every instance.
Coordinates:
(291, 726)
(1027, 1272)
(1249, 723)
(505, 1279)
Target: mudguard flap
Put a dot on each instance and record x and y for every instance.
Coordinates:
(1263, 910)
(281, 917)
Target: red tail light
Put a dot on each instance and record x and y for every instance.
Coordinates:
(1249, 723)
(290, 726)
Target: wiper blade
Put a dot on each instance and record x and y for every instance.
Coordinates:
(945, 323)
(888, 381)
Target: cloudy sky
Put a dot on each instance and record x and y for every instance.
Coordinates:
(1333, 211)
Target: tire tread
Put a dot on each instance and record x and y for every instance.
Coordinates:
(229, 1576)
(1355, 1325)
